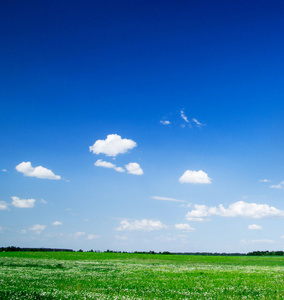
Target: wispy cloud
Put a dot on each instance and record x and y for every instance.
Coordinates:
(166, 199)
(198, 123)
(38, 172)
(144, 225)
(166, 122)
(237, 209)
(195, 177)
(3, 205)
(184, 117)
(112, 145)
(4, 170)
(278, 186)
(264, 180)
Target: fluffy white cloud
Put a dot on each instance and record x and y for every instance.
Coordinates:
(23, 203)
(166, 199)
(38, 172)
(195, 177)
(145, 225)
(109, 165)
(185, 227)
(165, 122)
(134, 168)
(4, 170)
(56, 223)
(3, 205)
(112, 145)
(237, 209)
(37, 228)
(254, 227)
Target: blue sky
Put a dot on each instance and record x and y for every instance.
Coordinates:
(142, 125)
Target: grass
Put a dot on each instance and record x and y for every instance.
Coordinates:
(65, 275)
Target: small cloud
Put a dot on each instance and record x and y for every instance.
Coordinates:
(199, 177)
(3, 205)
(23, 203)
(166, 199)
(112, 145)
(56, 223)
(79, 234)
(86, 220)
(254, 227)
(109, 165)
(4, 170)
(276, 186)
(144, 225)
(42, 201)
(38, 172)
(165, 122)
(92, 236)
(23, 231)
(183, 116)
(134, 168)
(264, 180)
(185, 227)
(198, 123)
(37, 228)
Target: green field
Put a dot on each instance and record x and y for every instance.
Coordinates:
(74, 275)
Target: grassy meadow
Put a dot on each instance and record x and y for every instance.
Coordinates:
(75, 275)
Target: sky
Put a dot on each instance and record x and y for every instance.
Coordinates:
(142, 125)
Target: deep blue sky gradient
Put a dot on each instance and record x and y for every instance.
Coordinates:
(72, 73)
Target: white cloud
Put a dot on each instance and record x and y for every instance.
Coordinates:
(112, 145)
(264, 180)
(183, 116)
(197, 123)
(56, 223)
(104, 164)
(145, 225)
(254, 227)
(276, 186)
(134, 168)
(92, 236)
(237, 209)
(38, 172)
(185, 227)
(165, 122)
(3, 205)
(4, 170)
(166, 199)
(37, 228)
(23, 203)
(195, 177)
(109, 165)
(79, 234)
